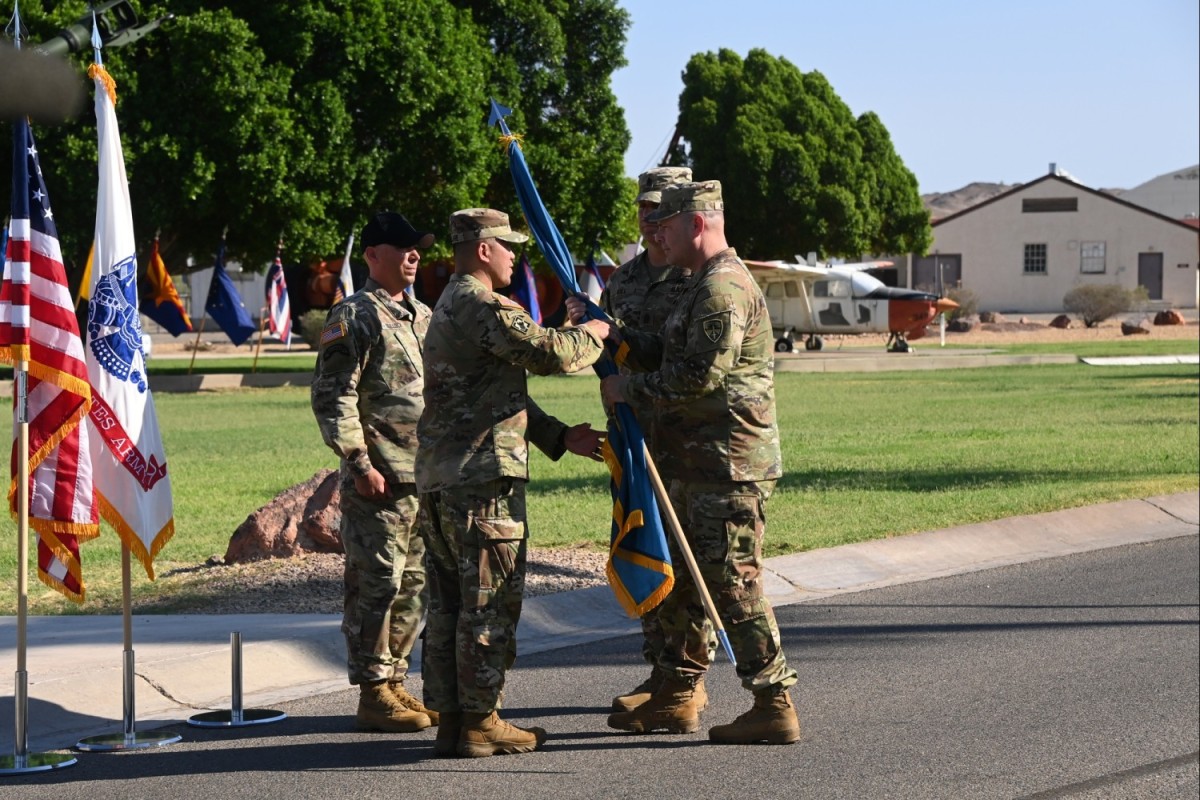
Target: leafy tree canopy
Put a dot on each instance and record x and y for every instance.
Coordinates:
(799, 172)
(299, 119)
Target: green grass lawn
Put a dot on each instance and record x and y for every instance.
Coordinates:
(866, 456)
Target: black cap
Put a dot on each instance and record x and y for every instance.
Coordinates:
(388, 227)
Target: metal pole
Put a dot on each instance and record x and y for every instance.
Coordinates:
(236, 716)
(21, 761)
(129, 738)
(235, 695)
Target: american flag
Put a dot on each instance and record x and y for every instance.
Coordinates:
(38, 327)
(279, 309)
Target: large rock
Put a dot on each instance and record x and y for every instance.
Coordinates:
(991, 317)
(302, 519)
(962, 324)
(1133, 328)
(1169, 317)
(1061, 321)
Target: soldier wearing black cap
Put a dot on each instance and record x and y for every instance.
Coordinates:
(367, 398)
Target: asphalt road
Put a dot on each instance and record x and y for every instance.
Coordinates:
(1072, 677)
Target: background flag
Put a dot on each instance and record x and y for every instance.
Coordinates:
(132, 485)
(225, 305)
(595, 281)
(38, 326)
(279, 309)
(524, 289)
(639, 563)
(161, 302)
(345, 284)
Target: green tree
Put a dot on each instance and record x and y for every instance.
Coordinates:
(799, 172)
(300, 118)
(552, 63)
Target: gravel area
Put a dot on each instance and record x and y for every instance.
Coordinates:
(312, 584)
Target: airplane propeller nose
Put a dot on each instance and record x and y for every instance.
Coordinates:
(945, 304)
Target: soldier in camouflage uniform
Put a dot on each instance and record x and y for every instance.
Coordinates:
(471, 472)
(641, 293)
(710, 384)
(367, 398)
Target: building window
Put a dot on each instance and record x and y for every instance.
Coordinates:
(1034, 205)
(1091, 256)
(1035, 259)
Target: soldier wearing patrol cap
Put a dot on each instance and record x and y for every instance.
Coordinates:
(472, 466)
(641, 293)
(708, 381)
(367, 398)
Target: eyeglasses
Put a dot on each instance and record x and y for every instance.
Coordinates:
(509, 246)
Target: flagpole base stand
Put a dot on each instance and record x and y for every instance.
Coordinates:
(227, 719)
(35, 762)
(110, 742)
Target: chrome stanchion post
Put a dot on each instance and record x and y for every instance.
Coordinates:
(236, 716)
(128, 739)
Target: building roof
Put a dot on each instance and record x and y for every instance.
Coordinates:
(1074, 185)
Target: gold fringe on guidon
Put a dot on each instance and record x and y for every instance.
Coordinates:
(507, 139)
(627, 522)
(97, 72)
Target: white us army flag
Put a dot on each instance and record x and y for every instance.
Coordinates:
(128, 462)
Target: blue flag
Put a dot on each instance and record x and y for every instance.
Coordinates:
(639, 565)
(524, 289)
(224, 304)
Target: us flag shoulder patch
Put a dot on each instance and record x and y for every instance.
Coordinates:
(333, 332)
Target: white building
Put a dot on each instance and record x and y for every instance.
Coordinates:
(1022, 250)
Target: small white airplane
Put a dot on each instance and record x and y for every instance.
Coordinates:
(809, 299)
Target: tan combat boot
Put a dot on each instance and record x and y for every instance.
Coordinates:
(772, 720)
(641, 693)
(407, 700)
(672, 708)
(448, 732)
(379, 710)
(488, 735)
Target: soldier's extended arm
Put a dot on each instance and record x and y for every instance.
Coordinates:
(545, 431)
(512, 335)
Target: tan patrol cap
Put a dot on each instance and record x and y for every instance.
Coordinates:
(653, 181)
(704, 196)
(473, 224)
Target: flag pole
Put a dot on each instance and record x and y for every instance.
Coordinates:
(262, 323)
(196, 346)
(128, 739)
(22, 761)
(664, 505)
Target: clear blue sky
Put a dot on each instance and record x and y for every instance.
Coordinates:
(970, 90)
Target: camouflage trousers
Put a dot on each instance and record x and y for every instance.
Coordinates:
(724, 525)
(475, 542)
(384, 579)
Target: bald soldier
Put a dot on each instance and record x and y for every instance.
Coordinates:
(472, 466)
(641, 293)
(366, 395)
(707, 378)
